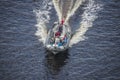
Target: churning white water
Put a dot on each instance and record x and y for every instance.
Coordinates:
(89, 15)
(42, 15)
(65, 9)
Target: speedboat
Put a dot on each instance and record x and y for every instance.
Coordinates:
(58, 38)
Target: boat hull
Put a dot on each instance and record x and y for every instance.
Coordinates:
(56, 48)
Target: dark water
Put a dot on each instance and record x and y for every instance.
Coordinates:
(23, 57)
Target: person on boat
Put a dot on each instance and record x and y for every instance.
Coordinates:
(64, 40)
(57, 34)
(62, 21)
(61, 26)
(57, 40)
(60, 44)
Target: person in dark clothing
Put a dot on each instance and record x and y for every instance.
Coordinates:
(64, 39)
(60, 28)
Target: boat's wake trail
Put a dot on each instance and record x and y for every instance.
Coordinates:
(42, 15)
(65, 9)
(88, 16)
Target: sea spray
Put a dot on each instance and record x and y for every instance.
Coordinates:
(89, 15)
(42, 16)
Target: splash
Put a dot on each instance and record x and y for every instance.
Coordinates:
(89, 15)
(65, 9)
(42, 15)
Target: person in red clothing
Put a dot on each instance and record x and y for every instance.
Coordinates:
(64, 39)
(62, 21)
(57, 34)
(57, 37)
(61, 26)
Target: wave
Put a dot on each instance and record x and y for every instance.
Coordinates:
(88, 16)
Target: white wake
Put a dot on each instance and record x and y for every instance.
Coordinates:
(65, 9)
(42, 15)
(89, 15)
